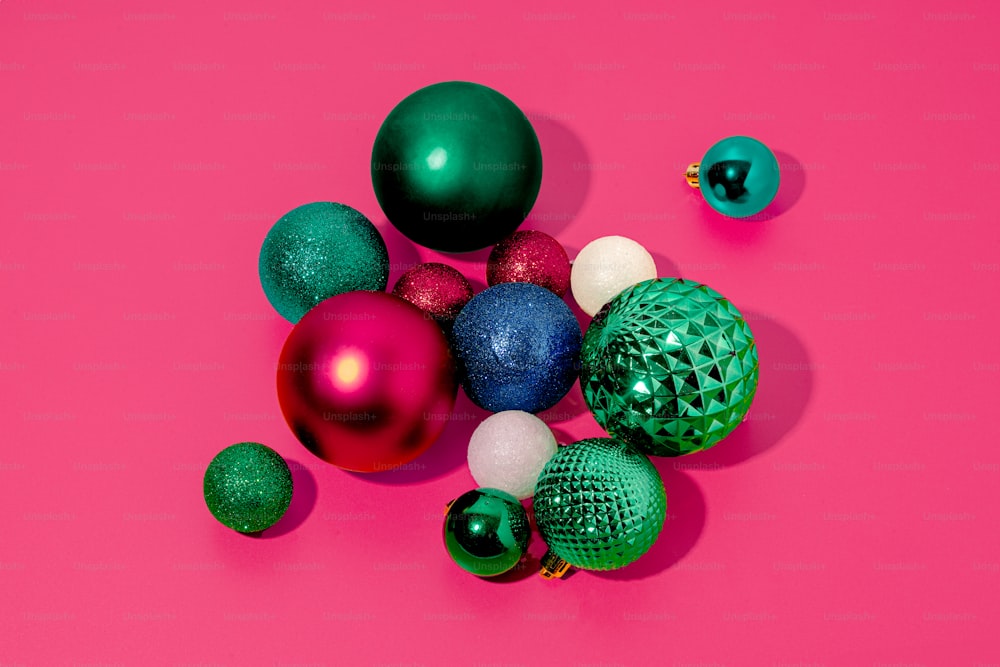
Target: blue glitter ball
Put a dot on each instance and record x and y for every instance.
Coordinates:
(317, 251)
(518, 348)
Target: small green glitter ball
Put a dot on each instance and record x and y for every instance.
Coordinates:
(317, 251)
(248, 487)
(669, 366)
(599, 504)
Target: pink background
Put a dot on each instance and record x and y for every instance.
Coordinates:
(145, 150)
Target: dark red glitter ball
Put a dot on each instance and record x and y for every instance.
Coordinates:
(437, 289)
(529, 256)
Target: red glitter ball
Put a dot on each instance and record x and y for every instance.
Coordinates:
(437, 289)
(529, 256)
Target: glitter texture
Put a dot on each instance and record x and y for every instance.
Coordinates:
(518, 347)
(669, 366)
(508, 450)
(599, 504)
(319, 250)
(486, 531)
(248, 487)
(606, 266)
(437, 289)
(529, 257)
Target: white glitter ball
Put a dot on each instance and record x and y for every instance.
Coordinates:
(508, 451)
(605, 267)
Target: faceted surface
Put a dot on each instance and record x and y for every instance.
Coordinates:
(670, 366)
(599, 504)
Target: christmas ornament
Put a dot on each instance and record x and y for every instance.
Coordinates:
(508, 450)
(529, 256)
(518, 348)
(248, 487)
(316, 251)
(456, 166)
(606, 266)
(366, 381)
(486, 531)
(669, 366)
(437, 289)
(738, 177)
(599, 505)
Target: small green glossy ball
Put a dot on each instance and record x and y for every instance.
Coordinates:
(739, 176)
(456, 166)
(319, 250)
(599, 504)
(486, 531)
(248, 487)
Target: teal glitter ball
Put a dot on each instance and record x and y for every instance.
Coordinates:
(599, 504)
(317, 251)
(669, 366)
(248, 487)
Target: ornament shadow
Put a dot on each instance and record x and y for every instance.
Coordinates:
(562, 436)
(403, 253)
(477, 284)
(448, 453)
(783, 392)
(304, 493)
(565, 176)
(665, 267)
(793, 184)
(278, 330)
(567, 409)
(683, 526)
(740, 231)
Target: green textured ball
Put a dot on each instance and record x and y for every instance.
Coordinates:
(486, 531)
(599, 504)
(669, 366)
(317, 251)
(248, 487)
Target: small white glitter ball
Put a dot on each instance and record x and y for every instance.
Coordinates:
(508, 451)
(605, 267)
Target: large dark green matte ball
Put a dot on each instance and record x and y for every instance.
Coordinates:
(248, 487)
(317, 251)
(486, 531)
(456, 166)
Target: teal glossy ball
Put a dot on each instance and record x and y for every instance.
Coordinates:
(739, 176)
(456, 166)
(486, 531)
(320, 250)
(248, 487)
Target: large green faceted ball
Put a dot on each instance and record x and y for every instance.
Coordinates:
(456, 166)
(320, 250)
(486, 531)
(669, 366)
(599, 504)
(248, 487)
